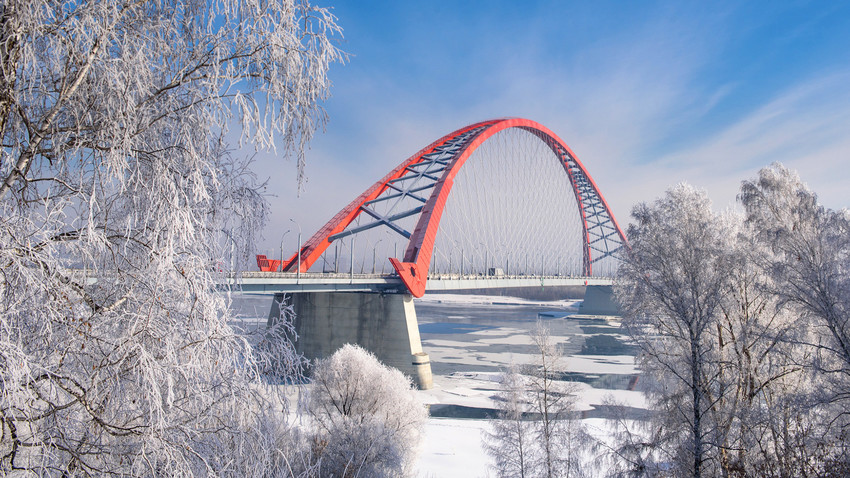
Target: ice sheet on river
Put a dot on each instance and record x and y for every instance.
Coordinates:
(495, 300)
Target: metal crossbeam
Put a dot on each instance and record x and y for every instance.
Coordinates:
(402, 193)
(381, 220)
(610, 253)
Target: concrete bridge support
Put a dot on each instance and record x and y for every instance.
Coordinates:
(599, 300)
(384, 324)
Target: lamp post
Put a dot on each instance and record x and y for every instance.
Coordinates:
(232, 251)
(281, 248)
(229, 234)
(298, 270)
(351, 261)
(374, 249)
(336, 258)
(461, 262)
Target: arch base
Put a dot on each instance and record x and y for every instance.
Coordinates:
(411, 276)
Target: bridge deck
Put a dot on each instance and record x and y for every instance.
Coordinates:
(275, 282)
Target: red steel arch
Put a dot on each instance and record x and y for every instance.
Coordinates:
(601, 233)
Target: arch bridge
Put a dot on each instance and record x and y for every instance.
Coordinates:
(495, 201)
(504, 197)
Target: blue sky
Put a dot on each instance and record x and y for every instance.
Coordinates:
(647, 94)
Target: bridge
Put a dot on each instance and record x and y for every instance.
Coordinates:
(503, 203)
(277, 282)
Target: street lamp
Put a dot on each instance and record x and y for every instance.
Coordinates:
(281, 248)
(374, 249)
(351, 259)
(229, 234)
(434, 260)
(336, 258)
(486, 251)
(298, 271)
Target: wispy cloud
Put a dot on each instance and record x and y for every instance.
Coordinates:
(807, 127)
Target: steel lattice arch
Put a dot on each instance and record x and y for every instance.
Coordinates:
(416, 193)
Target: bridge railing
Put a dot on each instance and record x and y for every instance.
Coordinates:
(433, 276)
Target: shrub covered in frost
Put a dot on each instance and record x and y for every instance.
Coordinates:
(366, 416)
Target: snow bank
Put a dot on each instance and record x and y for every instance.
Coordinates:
(452, 448)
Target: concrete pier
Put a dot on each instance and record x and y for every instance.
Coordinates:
(384, 324)
(599, 300)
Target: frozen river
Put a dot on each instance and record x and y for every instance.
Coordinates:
(472, 339)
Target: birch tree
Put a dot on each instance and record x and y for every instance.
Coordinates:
(810, 260)
(119, 196)
(725, 352)
(633, 447)
(807, 256)
(537, 433)
(557, 432)
(509, 443)
(671, 290)
(759, 376)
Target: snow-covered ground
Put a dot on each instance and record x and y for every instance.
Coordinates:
(452, 447)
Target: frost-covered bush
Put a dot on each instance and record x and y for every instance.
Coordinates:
(367, 419)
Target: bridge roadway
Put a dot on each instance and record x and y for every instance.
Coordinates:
(290, 282)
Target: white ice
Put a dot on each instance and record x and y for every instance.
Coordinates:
(491, 300)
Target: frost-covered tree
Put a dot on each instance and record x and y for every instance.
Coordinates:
(758, 373)
(806, 254)
(726, 357)
(671, 288)
(509, 442)
(809, 261)
(119, 200)
(632, 449)
(536, 433)
(558, 433)
(366, 417)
